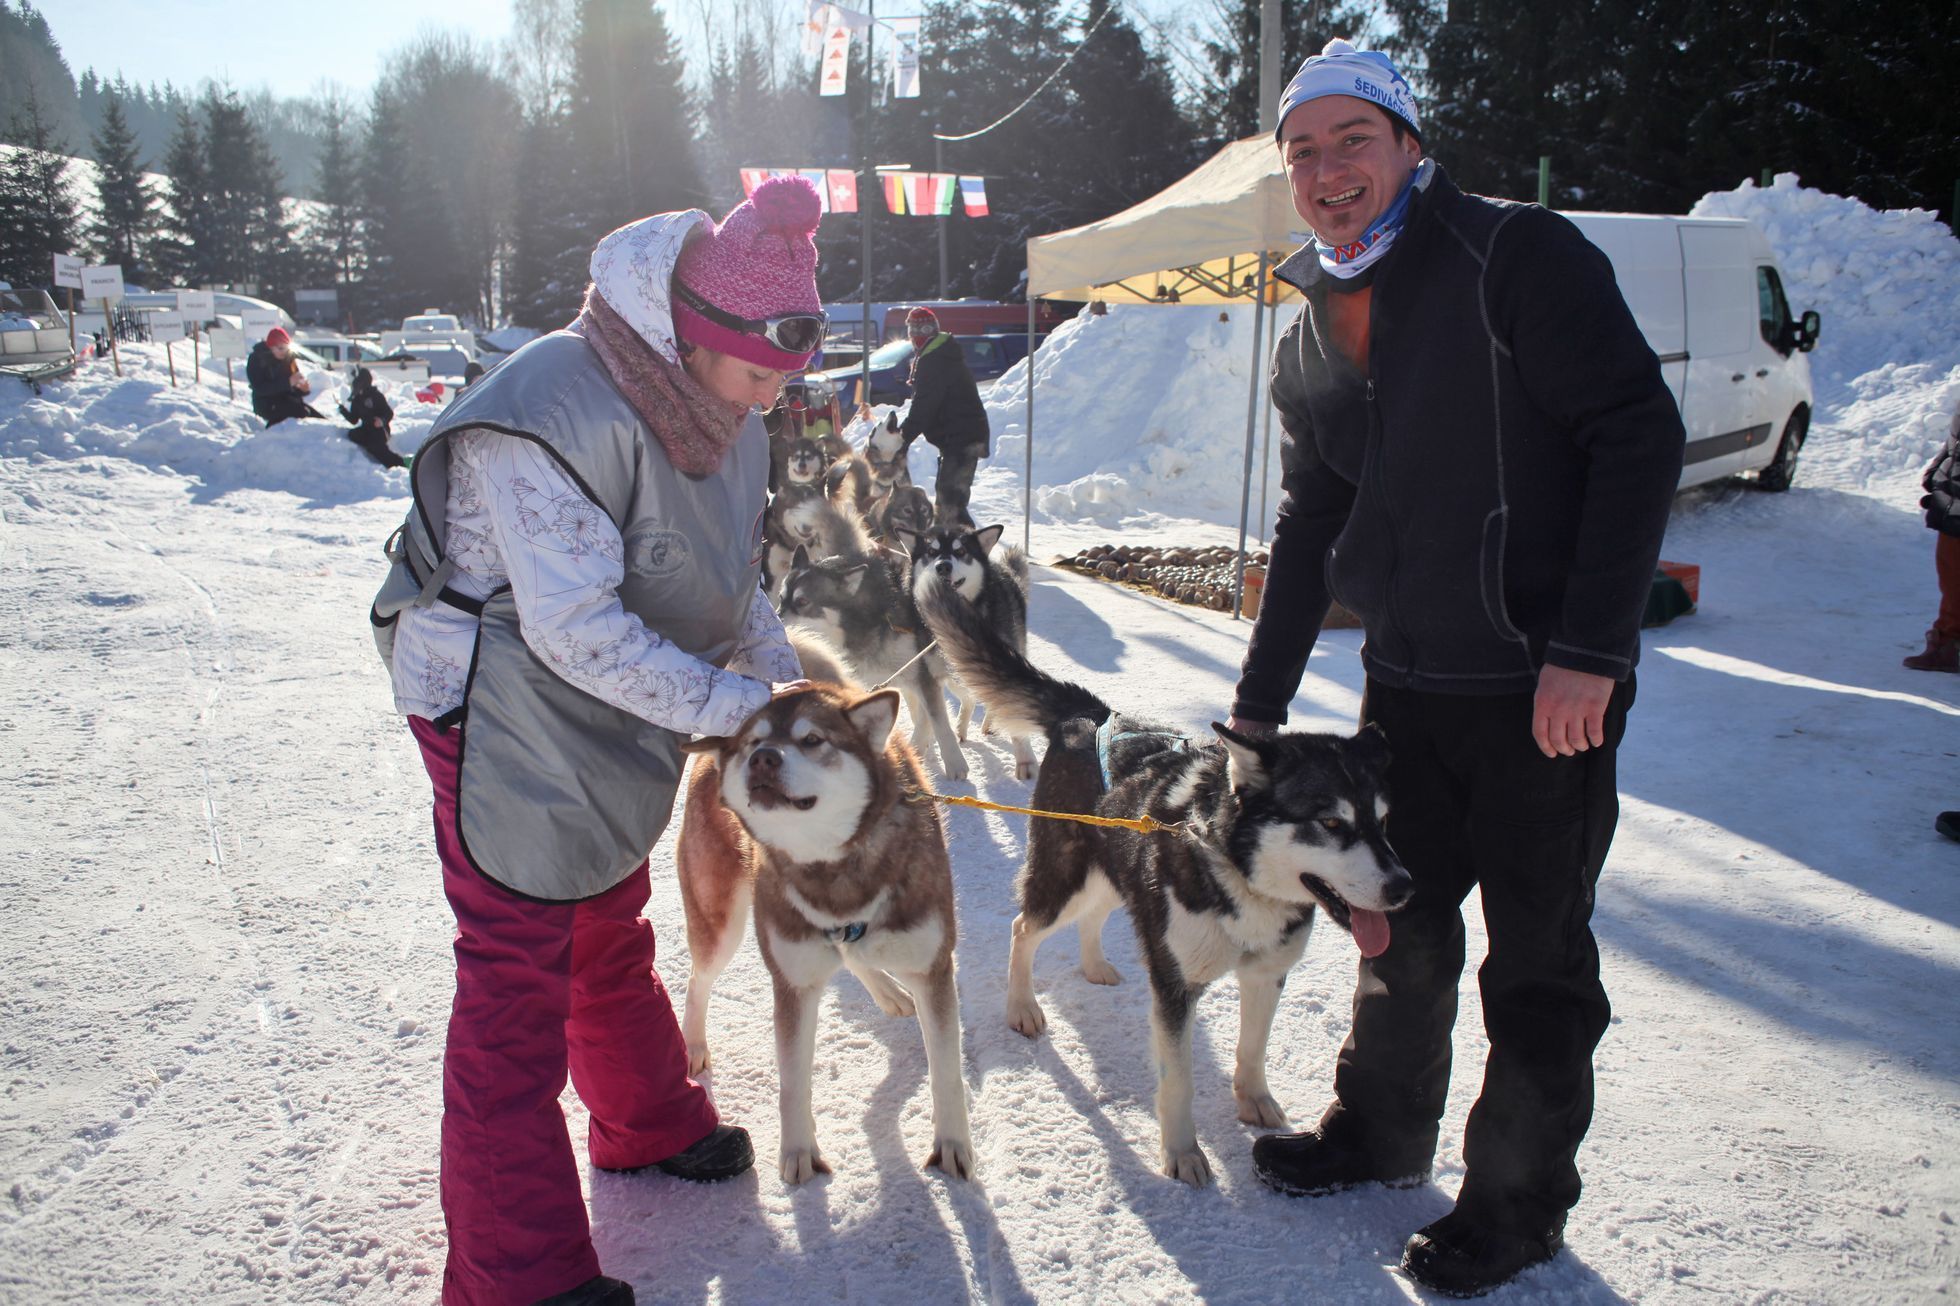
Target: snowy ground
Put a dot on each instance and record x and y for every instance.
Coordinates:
(227, 958)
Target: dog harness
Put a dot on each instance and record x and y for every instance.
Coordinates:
(1107, 738)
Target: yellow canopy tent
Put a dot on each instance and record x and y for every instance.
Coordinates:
(1211, 237)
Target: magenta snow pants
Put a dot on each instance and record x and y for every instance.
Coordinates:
(541, 987)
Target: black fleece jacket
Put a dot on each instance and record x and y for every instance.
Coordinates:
(1491, 494)
(946, 406)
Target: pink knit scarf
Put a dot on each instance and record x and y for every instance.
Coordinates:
(694, 426)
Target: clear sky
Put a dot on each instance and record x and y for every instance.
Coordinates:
(294, 48)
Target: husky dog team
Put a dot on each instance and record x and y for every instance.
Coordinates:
(616, 587)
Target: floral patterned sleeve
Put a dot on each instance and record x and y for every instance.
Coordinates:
(564, 558)
(765, 650)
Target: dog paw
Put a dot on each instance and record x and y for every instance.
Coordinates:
(952, 764)
(802, 1164)
(954, 1156)
(1024, 1017)
(1101, 972)
(697, 1058)
(1188, 1168)
(1024, 770)
(893, 1000)
(1260, 1109)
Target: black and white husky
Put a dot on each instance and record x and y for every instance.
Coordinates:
(994, 581)
(1271, 829)
(861, 602)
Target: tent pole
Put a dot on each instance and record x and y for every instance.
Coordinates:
(1266, 440)
(1251, 429)
(1027, 471)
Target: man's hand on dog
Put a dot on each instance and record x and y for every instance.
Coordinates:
(1251, 729)
(1568, 715)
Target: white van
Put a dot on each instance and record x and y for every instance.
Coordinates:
(1707, 295)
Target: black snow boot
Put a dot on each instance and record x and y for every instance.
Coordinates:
(1326, 1159)
(595, 1291)
(1460, 1258)
(723, 1154)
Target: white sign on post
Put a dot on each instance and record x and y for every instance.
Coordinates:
(224, 342)
(258, 321)
(196, 305)
(166, 327)
(68, 271)
(103, 284)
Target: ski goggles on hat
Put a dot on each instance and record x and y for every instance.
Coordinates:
(793, 333)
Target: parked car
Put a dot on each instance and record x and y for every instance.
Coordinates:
(432, 330)
(1709, 298)
(987, 356)
(343, 353)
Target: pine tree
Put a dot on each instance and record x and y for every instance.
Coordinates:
(126, 220)
(177, 251)
(247, 239)
(334, 236)
(37, 207)
(545, 278)
(630, 124)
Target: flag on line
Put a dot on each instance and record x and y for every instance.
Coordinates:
(843, 187)
(894, 183)
(974, 191)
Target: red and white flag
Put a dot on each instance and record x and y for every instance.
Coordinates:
(974, 191)
(843, 190)
(836, 61)
(751, 178)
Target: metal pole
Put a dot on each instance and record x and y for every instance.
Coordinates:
(865, 195)
(1270, 40)
(1266, 440)
(1251, 427)
(1027, 468)
(939, 166)
(1545, 181)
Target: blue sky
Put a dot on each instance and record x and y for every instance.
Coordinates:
(294, 48)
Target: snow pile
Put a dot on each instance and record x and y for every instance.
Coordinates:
(196, 430)
(1886, 370)
(1138, 412)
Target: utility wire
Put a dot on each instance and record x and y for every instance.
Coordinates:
(1039, 89)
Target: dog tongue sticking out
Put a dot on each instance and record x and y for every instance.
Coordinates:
(1370, 931)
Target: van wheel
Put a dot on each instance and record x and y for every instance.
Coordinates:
(1783, 469)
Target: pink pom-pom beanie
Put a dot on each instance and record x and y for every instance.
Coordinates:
(760, 262)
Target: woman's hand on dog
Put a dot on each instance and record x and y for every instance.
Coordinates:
(781, 687)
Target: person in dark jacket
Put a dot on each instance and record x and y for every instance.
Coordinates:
(278, 390)
(373, 418)
(1942, 505)
(1478, 459)
(947, 411)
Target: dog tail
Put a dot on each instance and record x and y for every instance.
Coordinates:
(1022, 697)
(1016, 563)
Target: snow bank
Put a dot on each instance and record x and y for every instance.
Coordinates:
(196, 430)
(1137, 412)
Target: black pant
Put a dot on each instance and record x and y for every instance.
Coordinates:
(952, 485)
(277, 408)
(1473, 802)
(374, 444)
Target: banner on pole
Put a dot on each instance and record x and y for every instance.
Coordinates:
(816, 21)
(894, 185)
(843, 189)
(68, 271)
(905, 58)
(973, 190)
(196, 305)
(225, 342)
(103, 283)
(836, 61)
(851, 20)
(166, 327)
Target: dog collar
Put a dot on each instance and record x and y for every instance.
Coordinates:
(846, 933)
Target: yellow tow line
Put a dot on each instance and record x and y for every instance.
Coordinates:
(1145, 824)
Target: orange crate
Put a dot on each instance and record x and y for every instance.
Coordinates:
(1689, 575)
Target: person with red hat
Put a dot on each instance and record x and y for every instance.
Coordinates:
(947, 411)
(575, 592)
(278, 390)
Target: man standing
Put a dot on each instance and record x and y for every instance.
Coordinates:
(1478, 458)
(946, 409)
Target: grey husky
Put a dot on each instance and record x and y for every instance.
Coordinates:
(994, 581)
(860, 601)
(1270, 830)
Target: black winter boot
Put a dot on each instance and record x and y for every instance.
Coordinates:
(1460, 1258)
(595, 1291)
(1326, 1159)
(723, 1154)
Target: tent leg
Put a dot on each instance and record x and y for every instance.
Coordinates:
(1027, 470)
(1266, 440)
(1251, 429)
